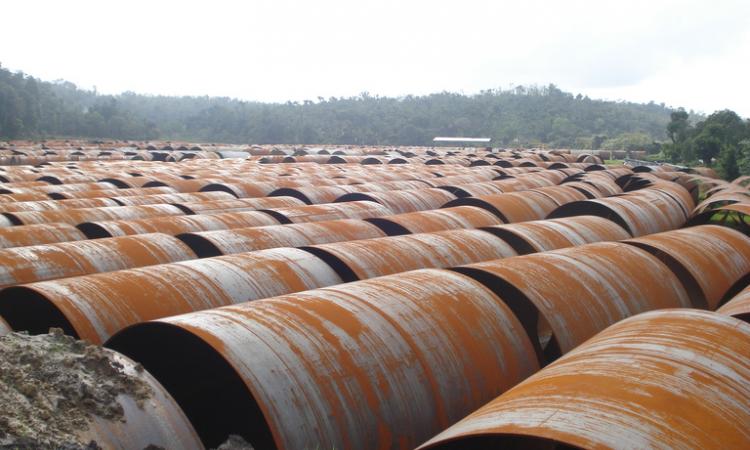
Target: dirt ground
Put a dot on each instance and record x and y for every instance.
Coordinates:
(235, 442)
(52, 385)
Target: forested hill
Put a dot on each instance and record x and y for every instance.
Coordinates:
(30, 108)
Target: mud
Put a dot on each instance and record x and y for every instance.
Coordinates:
(235, 442)
(52, 385)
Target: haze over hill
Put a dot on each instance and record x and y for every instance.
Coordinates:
(522, 116)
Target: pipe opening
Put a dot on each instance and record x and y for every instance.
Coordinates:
(289, 192)
(735, 289)
(524, 310)
(473, 201)
(118, 183)
(282, 219)
(202, 247)
(504, 441)
(26, 309)
(457, 191)
(588, 194)
(357, 196)
(695, 293)
(57, 196)
(93, 230)
(183, 208)
(589, 208)
(49, 179)
(519, 244)
(388, 227)
(13, 218)
(217, 187)
(207, 388)
(338, 266)
(155, 183)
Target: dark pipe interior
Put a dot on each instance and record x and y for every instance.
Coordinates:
(207, 388)
(388, 227)
(289, 192)
(694, 291)
(457, 191)
(184, 209)
(338, 266)
(57, 196)
(738, 286)
(155, 183)
(282, 219)
(356, 196)
(472, 201)
(588, 194)
(202, 247)
(589, 208)
(13, 218)
(523, 308)
(677, 200)
(93, 230)
(502, 441)
(49, 179)
(217, 187)
(27, 310)
(118, 183)
(519, 244)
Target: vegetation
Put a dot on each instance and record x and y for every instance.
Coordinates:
(721, 140)
(522, 116)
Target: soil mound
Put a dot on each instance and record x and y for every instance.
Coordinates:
(52, 385)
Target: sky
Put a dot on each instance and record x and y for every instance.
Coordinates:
(692, 54)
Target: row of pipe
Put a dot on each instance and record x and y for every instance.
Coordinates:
(394, 360)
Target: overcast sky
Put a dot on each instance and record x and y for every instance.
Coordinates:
(694, 54)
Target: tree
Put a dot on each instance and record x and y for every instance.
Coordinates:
(677, 129)
(743, 157)
(728, 162)
(520, 116)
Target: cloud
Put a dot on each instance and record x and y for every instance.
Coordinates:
(284, 49)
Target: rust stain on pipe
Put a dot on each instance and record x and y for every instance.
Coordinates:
(76, 216)
(183, 197)
(134, 192)
(155, 421)
(738, 306)
(708, 259)
(51, 205)
(511, 207)
(382, 363)
(370, 258)
(93, 307)
(579, 291)
(237, 205)
(458, 217)
(662, 380)
(404, 201)
(24, 235)
(4, 327)
(329, 211)
(175, 225)
(641, 212)
(69, 259)
(544, 235)
(225, 242)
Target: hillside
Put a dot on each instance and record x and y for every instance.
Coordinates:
(31, 108)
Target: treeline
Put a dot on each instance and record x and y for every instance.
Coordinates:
(722, 139)
(522, 116)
